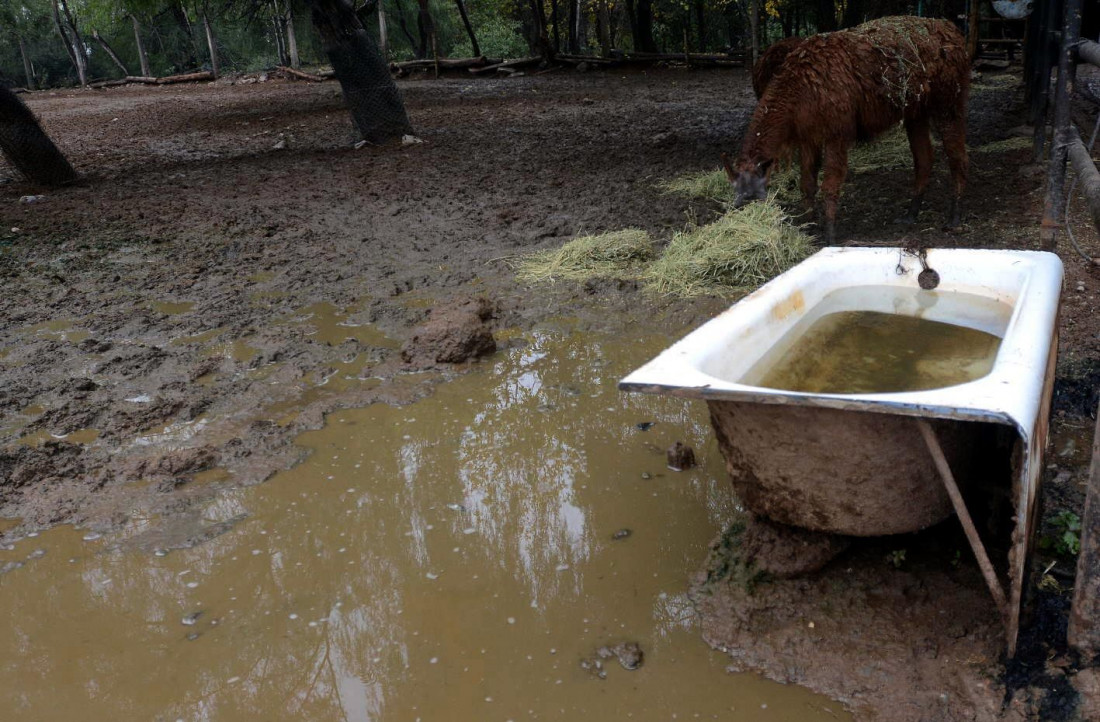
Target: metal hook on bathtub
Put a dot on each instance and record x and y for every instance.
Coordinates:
(928, 278)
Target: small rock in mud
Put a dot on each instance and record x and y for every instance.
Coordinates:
(786, 551)
(621, 534)
(453, 333)
(680, 456)
(191, 619)
(629, 654)
(644, 425)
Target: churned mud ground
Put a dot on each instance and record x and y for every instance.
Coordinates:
(231, 269)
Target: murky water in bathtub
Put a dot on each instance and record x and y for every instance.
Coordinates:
(866, 352)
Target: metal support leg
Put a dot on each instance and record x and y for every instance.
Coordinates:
(964, 517)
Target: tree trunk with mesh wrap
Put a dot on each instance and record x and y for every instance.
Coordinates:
(27, 147)
(372, 97)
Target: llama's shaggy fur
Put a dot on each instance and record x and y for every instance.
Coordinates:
(838, 88)
(770, 62)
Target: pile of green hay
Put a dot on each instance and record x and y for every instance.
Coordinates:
(738, 252)
(618, 254)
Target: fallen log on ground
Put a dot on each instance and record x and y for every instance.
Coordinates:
(446, 63)
(517, 63)
(108, 83)
(301, 75)
(186, 78)
(147, 79)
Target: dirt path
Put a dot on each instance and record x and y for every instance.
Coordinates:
(165, 312)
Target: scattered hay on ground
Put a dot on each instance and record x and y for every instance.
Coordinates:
(889, 152)
(740, 251)
(618, 254)
(1004, 146)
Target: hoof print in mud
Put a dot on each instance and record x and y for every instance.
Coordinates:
(454, 333)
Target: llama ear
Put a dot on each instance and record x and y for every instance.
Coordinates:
(729, 168)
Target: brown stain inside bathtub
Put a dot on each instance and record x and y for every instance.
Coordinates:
(792, 304)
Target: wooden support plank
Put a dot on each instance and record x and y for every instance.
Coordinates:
(961, 511)
(1084, 615)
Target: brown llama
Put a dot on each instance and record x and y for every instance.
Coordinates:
(770, 62)
(839, 88)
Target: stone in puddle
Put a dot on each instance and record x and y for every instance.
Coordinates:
(453, 333)
(629, 654)
(680, 456)
(621, 534)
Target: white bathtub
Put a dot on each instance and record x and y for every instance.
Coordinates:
(1019, 292)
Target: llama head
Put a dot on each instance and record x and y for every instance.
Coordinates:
(749, 180)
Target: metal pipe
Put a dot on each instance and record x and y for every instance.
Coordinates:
(1087, 174)
(1088, 52)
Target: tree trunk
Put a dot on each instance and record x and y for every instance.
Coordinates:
(644, 40)
(142, 57)
(78, 44)
(542, 41)
(574, 26)
(469, 28)
(555, 21)
(71, 45)
(110, 52)
(292, 38)
(427, 29)
(277, 21)
(754, 22)
(372, 97)
(853, 13)
(603, 29)
(826, 16)
(212, 44)
(383, 34)
(27, 69)
(401, 23)
(27, 147)
(701, 21)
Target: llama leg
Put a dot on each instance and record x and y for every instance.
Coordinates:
(836, 167)
(809, 160)
(953, 131)
(920, 143)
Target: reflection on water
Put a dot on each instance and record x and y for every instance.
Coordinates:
(449, 560)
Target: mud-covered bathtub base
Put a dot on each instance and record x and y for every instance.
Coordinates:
(897, 628)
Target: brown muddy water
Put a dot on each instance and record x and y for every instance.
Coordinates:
(870, 351)
(455, 559)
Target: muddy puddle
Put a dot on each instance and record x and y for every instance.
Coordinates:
(455, 559)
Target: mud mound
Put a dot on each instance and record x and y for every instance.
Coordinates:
(454, 333)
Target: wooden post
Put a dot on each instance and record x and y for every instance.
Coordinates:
(973, 22)
(1084, 615)
(292, 37)
(1054, 205)
(964, 517)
